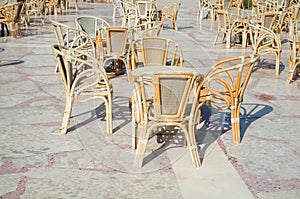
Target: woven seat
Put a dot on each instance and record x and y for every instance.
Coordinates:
(224, 86)
(84, 79)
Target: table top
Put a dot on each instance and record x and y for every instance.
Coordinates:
(150, 70)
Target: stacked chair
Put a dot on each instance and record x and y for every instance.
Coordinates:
(83, 75)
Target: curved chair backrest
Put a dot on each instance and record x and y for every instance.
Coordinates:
(170, 11)
(79, 71)
(266, 41)
(72, 37)
(90, 24)
(161, 51)
(224, 86)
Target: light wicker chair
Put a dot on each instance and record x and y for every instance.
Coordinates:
(223, 26)
(117, 4)
(10, 15)
(128, 12)
(294, 60)
(224, 86)
(149, 29)
(73, 38)
(205, 9)
(171, 92)
(266, 41)
(115, 48)
(84, 79)
(90, 24)
(145, 11)
(158, 51)
(170, 12)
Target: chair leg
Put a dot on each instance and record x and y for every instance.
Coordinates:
(67, 114)
(192, 145)
(175, 25)
(216, 38)
(13, 30)
(141, 148)
(108, 107)
(228, 40)
(134, 135)
(235, 124)
(277, 66)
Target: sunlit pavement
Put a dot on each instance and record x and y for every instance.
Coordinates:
(38, 162)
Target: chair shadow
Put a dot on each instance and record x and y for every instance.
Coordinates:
(172, 137)
(267, 64)
(121, 113)
(10, 62)
(246, 117)
(214, 128)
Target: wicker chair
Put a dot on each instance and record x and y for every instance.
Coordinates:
(224, 86)
(128, 12)
(149, 29)
(10, 15)
(171, 92)
(205, 9)
(117, 4)
(90, 24)
(145, 11)
(84, 79)
(223, 26)
(170, 11)
(266, 41)
(73, 38)
(294, 61)
(115, 48)
(158, 51)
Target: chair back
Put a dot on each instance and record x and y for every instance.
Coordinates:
(73, 37)
(116, 40)
(170, 11)
(225, 83)
(171, 92)
(90, 24)
(269, 20)
(161, 51)
(80, 72)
